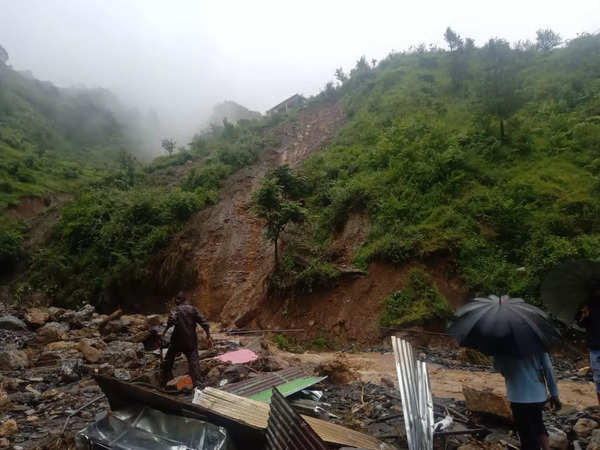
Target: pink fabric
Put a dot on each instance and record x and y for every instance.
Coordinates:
(238, 357)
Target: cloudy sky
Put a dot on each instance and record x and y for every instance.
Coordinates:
(181, 57)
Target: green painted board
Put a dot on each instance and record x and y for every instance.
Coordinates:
(288, 388)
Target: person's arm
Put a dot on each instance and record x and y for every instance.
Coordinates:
(170, 323)
(200, 320)
(551, 381)
(583, 316)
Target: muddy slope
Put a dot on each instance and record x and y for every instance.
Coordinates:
(221, 258)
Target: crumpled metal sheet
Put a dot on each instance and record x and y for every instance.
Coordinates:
(150, 429)
(287, 430)
(415, 390)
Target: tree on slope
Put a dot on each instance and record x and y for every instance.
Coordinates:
(168, 145)
(499, 89)
(3, 55)
(453, 39)
(273, 201)
(547, 39)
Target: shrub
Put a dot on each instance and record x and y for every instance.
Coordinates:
(11, 249)
(418, 302)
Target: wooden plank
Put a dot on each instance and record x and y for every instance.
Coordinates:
(256, 414)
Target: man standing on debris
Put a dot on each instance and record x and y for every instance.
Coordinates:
(184, 340)
(589, 318)
(527, 380)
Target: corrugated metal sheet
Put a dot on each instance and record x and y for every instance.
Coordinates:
(287, 389)
(417, 402)
(264, 381)
(287, 430)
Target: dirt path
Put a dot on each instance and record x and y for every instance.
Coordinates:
(373, 367)
(222, 257)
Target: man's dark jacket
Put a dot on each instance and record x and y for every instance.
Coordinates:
(184, 318)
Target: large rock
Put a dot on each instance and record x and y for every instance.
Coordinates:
(557, 439)
(77, 319)
(4, 400)
(36, 317)
(12, 323)
(8, 428)
(90, 353)
(584, 427)
(14, 359)
(594, 441)
(52, 332)
(488, 402)
(123, 354)
(154, 320)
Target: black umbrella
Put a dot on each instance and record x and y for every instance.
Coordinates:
(503, 326)
(568, 286)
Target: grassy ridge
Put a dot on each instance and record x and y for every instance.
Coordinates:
(423, 157)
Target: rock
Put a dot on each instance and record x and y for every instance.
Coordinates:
(71, 370)
(140, 336)
(52, 332)
(90, 353)
(387, 382)
(12, 384)
(122, 374)
(4, 400)
(4, 443)
(557, 439)
(61, 345)
(36, 317)
(114, 326)
(486, 401)
(12, 323)
(8, 428)
(123, 354)
(153, 321)
(474, 445)
(14, 359)
(470, 356)
(584, 371)
(55, 313)
(50, 393)
(584, 427)
(86, 313)
(48, 359)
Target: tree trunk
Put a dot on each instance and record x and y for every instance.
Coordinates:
(501, 129)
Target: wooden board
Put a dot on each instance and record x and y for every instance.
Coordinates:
(256, 414)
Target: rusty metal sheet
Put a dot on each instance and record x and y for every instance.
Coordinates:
(287, 430)
(417, 401)
(264, 381)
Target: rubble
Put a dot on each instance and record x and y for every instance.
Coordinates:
(8, 428)
(487, 402)
(36, 316)
(594, 441)
(13, 359)
(557, 439)
(584, 427)
(12, 323)
(52, 332)
(90, 353)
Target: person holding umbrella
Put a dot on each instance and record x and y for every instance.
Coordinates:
(588, 317)
(571, 292)
(518, 336)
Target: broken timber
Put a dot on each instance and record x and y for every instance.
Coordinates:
(256, 414)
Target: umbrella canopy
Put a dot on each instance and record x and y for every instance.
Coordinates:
(568, 286)
(503, 326)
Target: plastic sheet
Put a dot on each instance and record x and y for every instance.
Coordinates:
(150, 429)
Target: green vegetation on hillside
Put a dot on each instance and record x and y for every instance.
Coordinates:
(105, 238)
(490, 155)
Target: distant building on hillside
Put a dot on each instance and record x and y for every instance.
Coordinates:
(294, 101)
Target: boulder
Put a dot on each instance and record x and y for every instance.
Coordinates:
(49, 359)
(12, 323)
(584, 427)
(4, 443)
(8, 428)
(487, 401)
(36, 317)
(90, 353)
(557, 439)
(55, 313)
(52, 332)
(123, 354)
(14, 359)
(153, 320)
(4, 400)
(61, 345)
(71, 370)
(594, 441)
(122, 374)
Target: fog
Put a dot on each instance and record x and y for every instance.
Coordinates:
(179, 58)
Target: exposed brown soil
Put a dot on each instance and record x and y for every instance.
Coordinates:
(349, 312)
(446, 383)
(222, 258)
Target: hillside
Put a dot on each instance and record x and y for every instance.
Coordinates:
(437, 175)
(51, 138)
